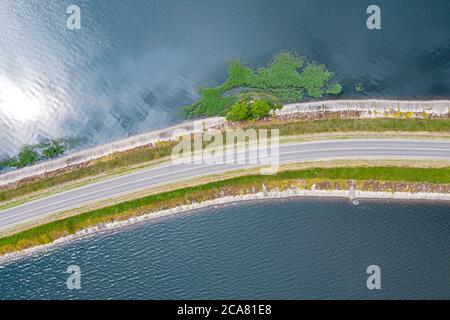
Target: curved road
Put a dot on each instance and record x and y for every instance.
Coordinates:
(293, 152)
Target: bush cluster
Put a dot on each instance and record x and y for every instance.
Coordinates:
(251, 110)
(46, 149)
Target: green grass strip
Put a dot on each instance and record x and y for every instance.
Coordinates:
(367, 125)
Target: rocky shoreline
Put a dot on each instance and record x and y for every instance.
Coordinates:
(351, 193)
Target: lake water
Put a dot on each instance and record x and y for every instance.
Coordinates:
(130, 68)
(281, 249)
(135, 62)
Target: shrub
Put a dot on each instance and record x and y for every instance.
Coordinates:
(259, 109)
(27, 156)
(239, 112)
(52, 149)
(245, 110)
(7, 163)
(46, 149)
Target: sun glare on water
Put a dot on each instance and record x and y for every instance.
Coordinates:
(17, 104)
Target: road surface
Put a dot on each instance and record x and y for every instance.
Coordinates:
(293, 152)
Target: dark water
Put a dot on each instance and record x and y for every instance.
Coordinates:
(134, 62)
(282, 249)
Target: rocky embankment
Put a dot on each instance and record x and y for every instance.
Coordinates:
(325, 189)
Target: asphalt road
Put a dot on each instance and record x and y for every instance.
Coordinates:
(294, 152)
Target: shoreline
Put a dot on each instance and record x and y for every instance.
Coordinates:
(291, 193)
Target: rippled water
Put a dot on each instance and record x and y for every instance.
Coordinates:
(282, 249)
(136, 61)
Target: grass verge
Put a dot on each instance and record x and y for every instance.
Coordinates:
(349, 125)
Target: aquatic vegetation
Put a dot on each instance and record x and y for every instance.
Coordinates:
(287, 78)
(359, 87)
(46, 149)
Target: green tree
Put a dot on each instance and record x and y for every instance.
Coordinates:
(260, 109)
(239, 112)
(314, 78)
(27, 156)
(8, 163)
(46, 149)
(53, 149)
